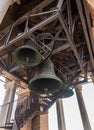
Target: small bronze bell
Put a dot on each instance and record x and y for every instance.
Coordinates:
(28, 54)
(45, 80)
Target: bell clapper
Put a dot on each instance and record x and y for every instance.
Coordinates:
(27, 59)
(46, 90)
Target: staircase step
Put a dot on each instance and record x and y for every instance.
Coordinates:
(11, 123)
(7, 126)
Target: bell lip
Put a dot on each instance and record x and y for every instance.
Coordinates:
(50, 77)
(66, 93)
(29, 64)
(26, 46)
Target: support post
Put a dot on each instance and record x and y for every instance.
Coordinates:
(84, 116)
(40, 122)
(6, 110)
(60, 115)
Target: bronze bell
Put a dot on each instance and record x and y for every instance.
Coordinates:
(28, 54)
(45, 80)
(64, 93)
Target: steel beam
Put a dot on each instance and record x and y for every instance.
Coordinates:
(62, 21)
(80, 10)
(61, 48)
(88, 23)
(59, 5)
(69, 16)
(42, 5)
(26, 34)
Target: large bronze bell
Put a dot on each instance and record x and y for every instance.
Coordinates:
(45, 80)
(28, 54)
(64, 93)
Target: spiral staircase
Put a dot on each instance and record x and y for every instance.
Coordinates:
(27, 108)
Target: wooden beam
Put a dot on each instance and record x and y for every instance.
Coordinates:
(11, 77)
(4, 5)
(91, 3)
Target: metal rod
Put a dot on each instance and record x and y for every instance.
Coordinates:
(62, 21)
(69, 16)
(3, 62)
(88, 23)
(80, 10)
(9, 34)
(26, 34)
(3, 36)
(42, 13)
(26, 24)
(70, 72)
(23, 18)
(59, 5)
(9, 59)
(61, 48)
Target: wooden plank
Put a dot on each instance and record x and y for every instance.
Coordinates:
(11, 77)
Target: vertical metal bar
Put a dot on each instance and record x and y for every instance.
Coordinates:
(59, 5)
(10, 31)
(3, 36)
(69, 16)
(88, 23)
(2, 61)
(60, 115)
(9, 59)
(79, 6)
(27, 22)
(62, 21)
(85, 119)
(28, 72)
